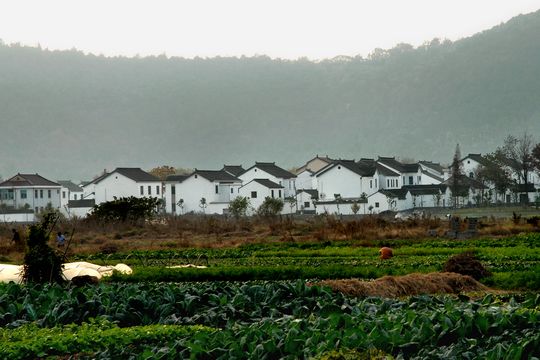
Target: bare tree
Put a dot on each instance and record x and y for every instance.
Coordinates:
(517, 154)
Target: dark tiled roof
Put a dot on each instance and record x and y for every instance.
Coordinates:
(395, 193)
(362, 169)
(136, 174)
(269, 184)
(478, 158)
(216, 175)
(392, 163)
(273, 170)
(425, 189)
(435, 166)
(176, 178)
(383, 170)
(28, 180)
(235, 170)
(314, 193)
(436, 177)
(70, 185)
(85, 203)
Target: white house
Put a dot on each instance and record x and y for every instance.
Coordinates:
(388, 200)
(305, 200)
(346, 179)
(124, 182)
(272, 172)
(79, 208)
(69, 191)
(30, 191)
(424, 196)
(257, 190)
(203, 191)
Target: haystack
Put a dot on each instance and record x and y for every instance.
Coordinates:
(411, 284)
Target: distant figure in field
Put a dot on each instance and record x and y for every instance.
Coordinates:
(16, 237)
(60, 239)
(386, 253)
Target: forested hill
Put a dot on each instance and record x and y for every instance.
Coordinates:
(70, 115)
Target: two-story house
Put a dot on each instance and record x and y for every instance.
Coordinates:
(30, 192)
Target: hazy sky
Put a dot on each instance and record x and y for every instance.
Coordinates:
(278, 28)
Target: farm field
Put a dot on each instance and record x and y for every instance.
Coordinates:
(262, 300)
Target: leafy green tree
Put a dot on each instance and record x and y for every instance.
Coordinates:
(126, 209)
(41, 263)
(238, 207)
(270, 207)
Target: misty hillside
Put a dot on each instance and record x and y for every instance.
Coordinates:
(70, 115)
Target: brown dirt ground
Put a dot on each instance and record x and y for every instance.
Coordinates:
(411, 284)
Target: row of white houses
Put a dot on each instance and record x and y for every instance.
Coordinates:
(322, 185)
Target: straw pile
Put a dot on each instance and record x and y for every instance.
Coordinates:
(411, 284)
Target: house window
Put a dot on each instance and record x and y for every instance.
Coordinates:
(63, 194)
(411, 181)
(35, 194)
(272, 191)
(232, 190)
(36, 209)
(404, 180)
(376, 204)
(142, 190)
(149, 190)
(387, 183)
(253, 194)
(375, 183)
(306, 204)
(173, 207)
(41, 194)
(371, 184)
(279, 193)
(217, 189)
(23, 194)
(419, 179)
(173, 190)
(157, 190)
(49, 194)
(75, 197)
(471, 175)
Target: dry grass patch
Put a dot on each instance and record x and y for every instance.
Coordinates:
(412, 284)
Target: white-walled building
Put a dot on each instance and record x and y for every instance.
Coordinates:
(272, 172)
(257, 190)
(185, 194)
(305, 200)
(79, 208)
(306, 180)
(346, 179)
(387, 200)
(30, 191)
(124, 182)
(69, 191)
